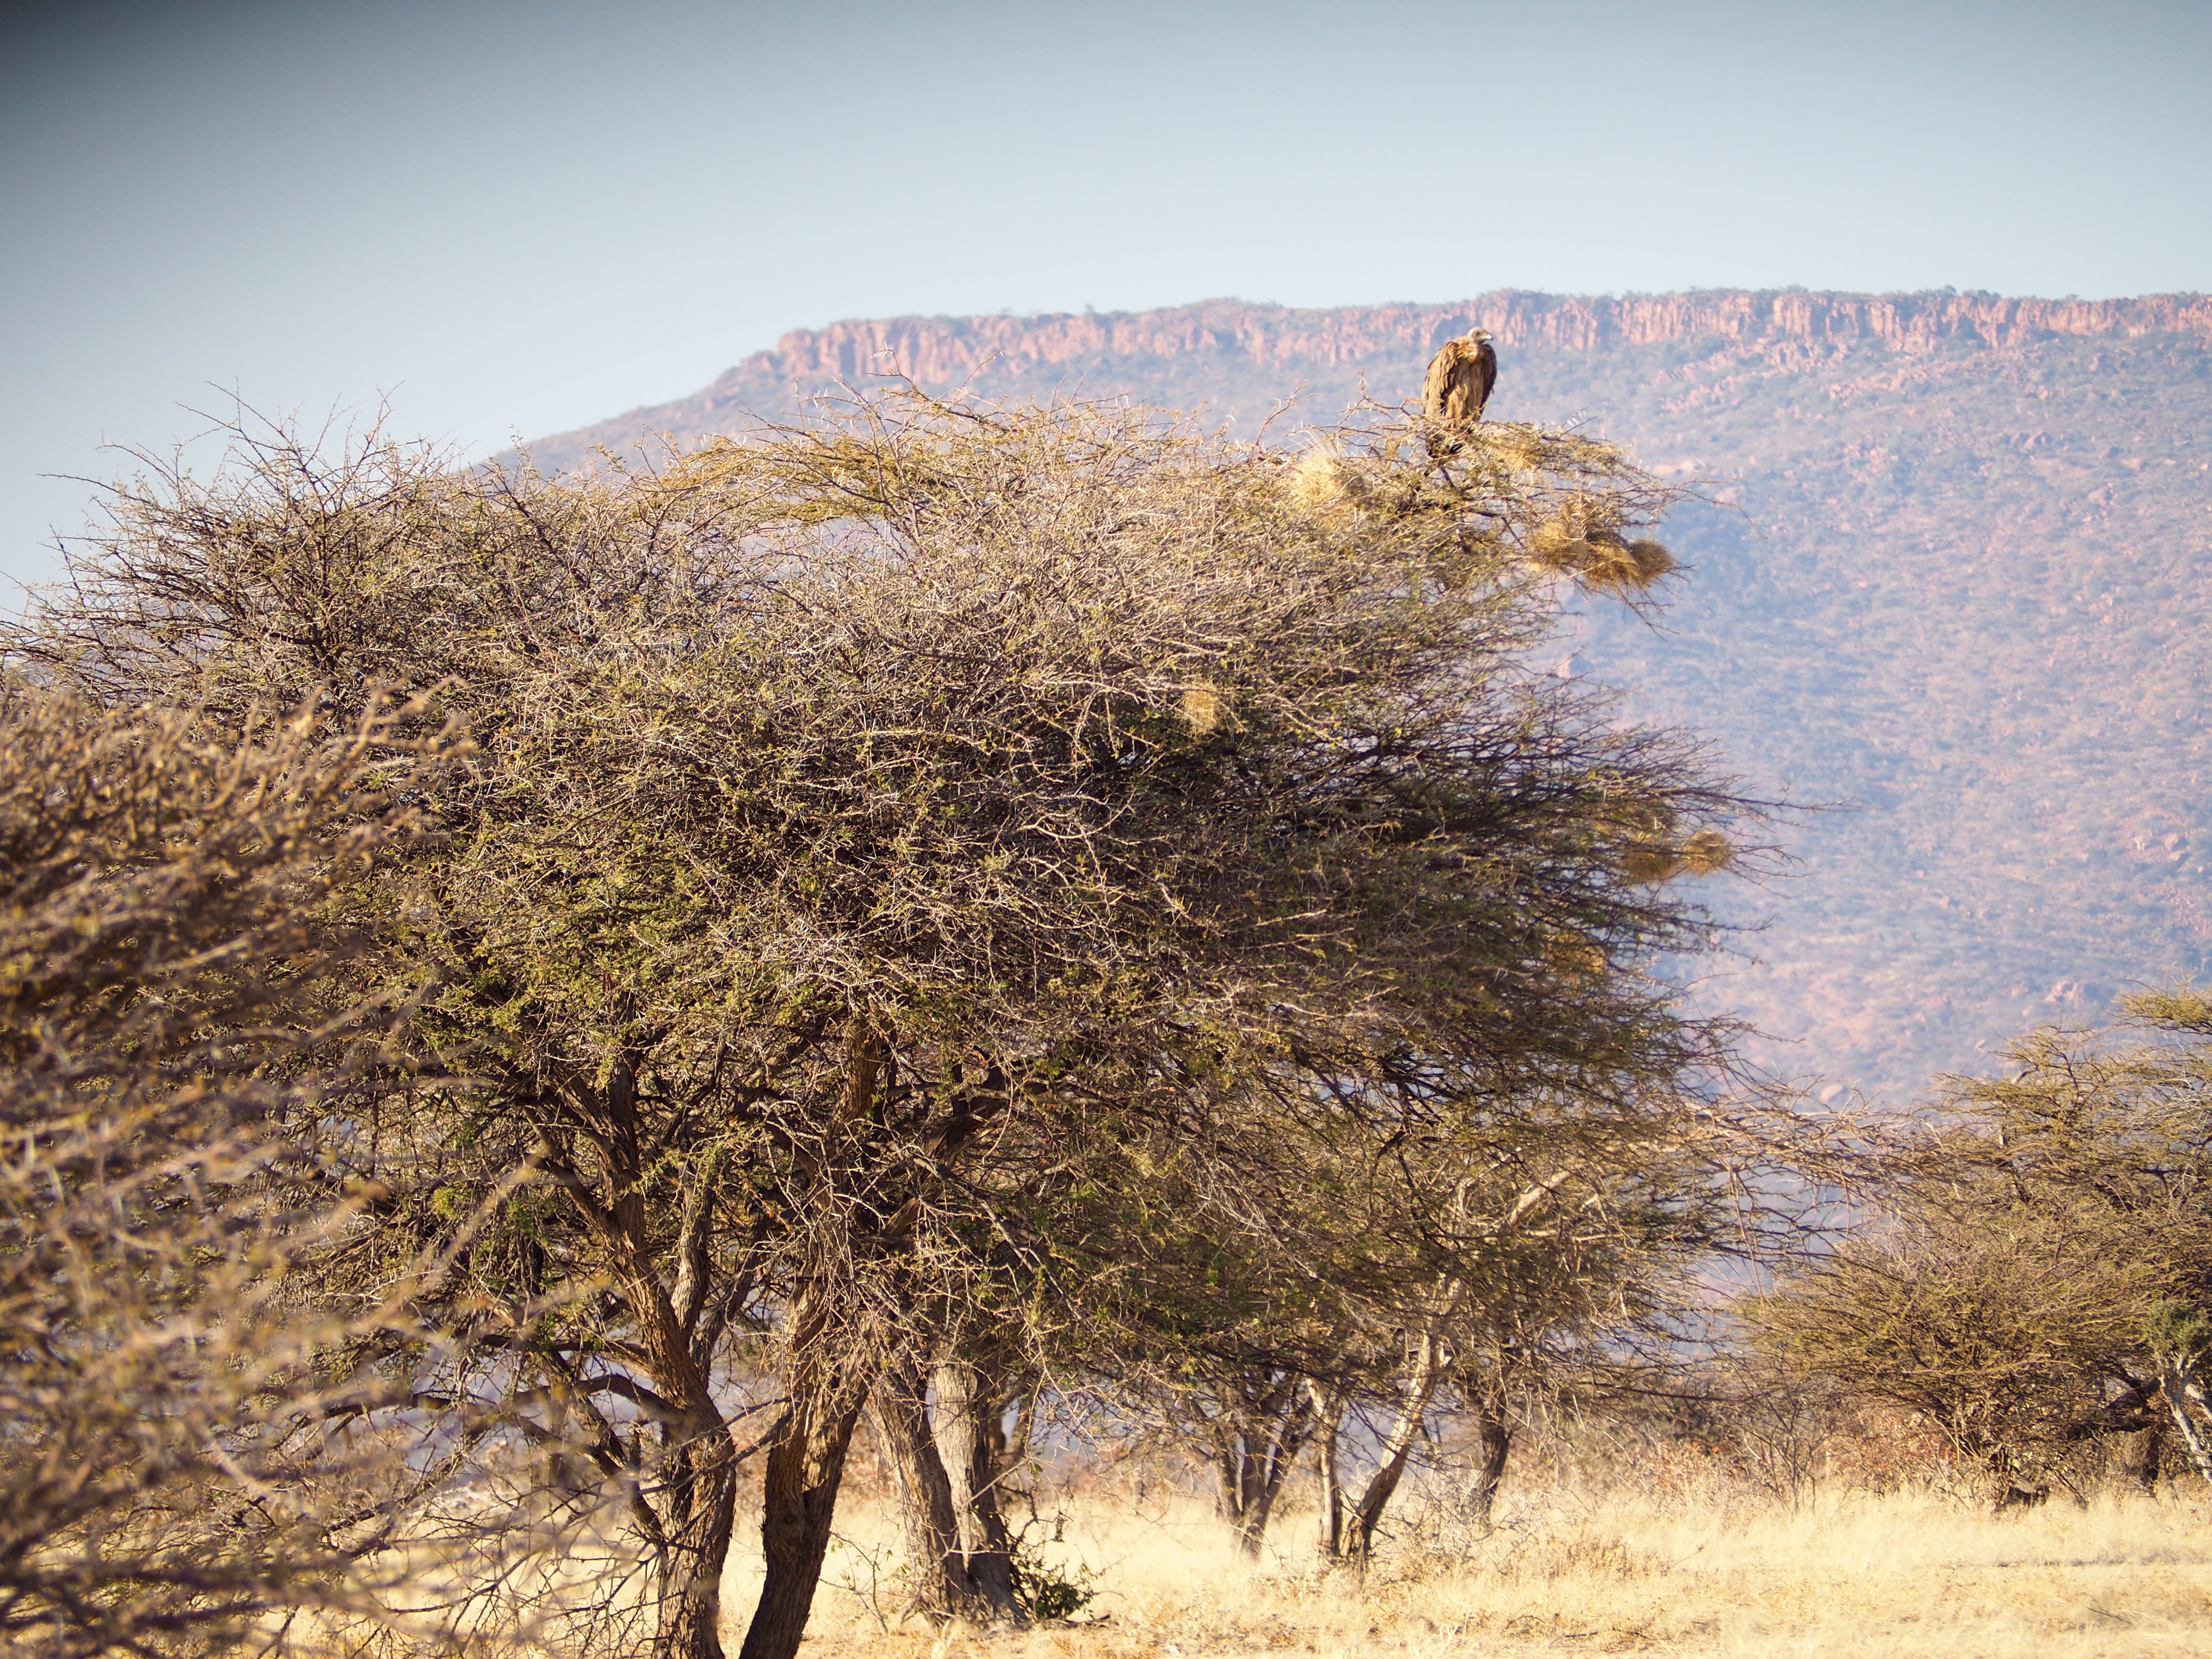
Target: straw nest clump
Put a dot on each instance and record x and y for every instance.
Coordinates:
(1324, 485)
(1574, 543)
(1625, 566)
(1647, 863)
(1707, 853)
(1650, 847)
(1643, 832)
(1204, 709)
(1647, 860)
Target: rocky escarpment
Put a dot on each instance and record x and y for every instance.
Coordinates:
(1097, 350)
(940, 349)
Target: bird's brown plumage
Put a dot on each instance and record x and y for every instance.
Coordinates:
(1459, 381)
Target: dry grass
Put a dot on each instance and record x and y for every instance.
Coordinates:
(1901, 1575)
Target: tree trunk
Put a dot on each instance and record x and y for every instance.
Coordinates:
(1496, 1438)
(691, 1531)
(2145, 1457)
(690, 1624)
(826, 1384)
(1328, 1418)
(799, 1500)
(1427, 1371)
(1243, 1501)
(1228, 1475)
(1010, 1446)
(967, 1399)
(901, 1409)
(1256, 1458)
(2173, 1383)
(1252, 1526)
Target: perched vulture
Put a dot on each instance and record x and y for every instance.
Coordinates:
(1460, 377)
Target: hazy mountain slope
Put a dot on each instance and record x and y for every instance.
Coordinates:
(1960, 578)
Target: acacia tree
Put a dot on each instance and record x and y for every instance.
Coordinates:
(1493, 1261)
(2037, 1263)
(1218, 1330)
(182, 1456)
(1374, 1264)
(865, 812)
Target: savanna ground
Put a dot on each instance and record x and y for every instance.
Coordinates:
(1906, 1573)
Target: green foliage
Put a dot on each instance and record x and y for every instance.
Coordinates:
(2178, 1333)
(1042, 1590)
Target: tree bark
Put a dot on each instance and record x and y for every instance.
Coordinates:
(901, 1409)
(1426, 1372)
(1255, 1456)
(691, 1531)
(2173, 1383)
(690, 1624)
(1241, 1499)
(799, 1500)
(1497, 1440)
(1328, 1418)
(827, 1377)
(1252, 1525)
(967, 1399)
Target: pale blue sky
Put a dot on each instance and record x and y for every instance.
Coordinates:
(515, 218)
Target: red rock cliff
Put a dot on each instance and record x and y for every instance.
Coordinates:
(940, 350)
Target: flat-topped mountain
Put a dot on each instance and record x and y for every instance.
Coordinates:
(1953, 568)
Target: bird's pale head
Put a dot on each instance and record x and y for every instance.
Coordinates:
(1479, 336)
